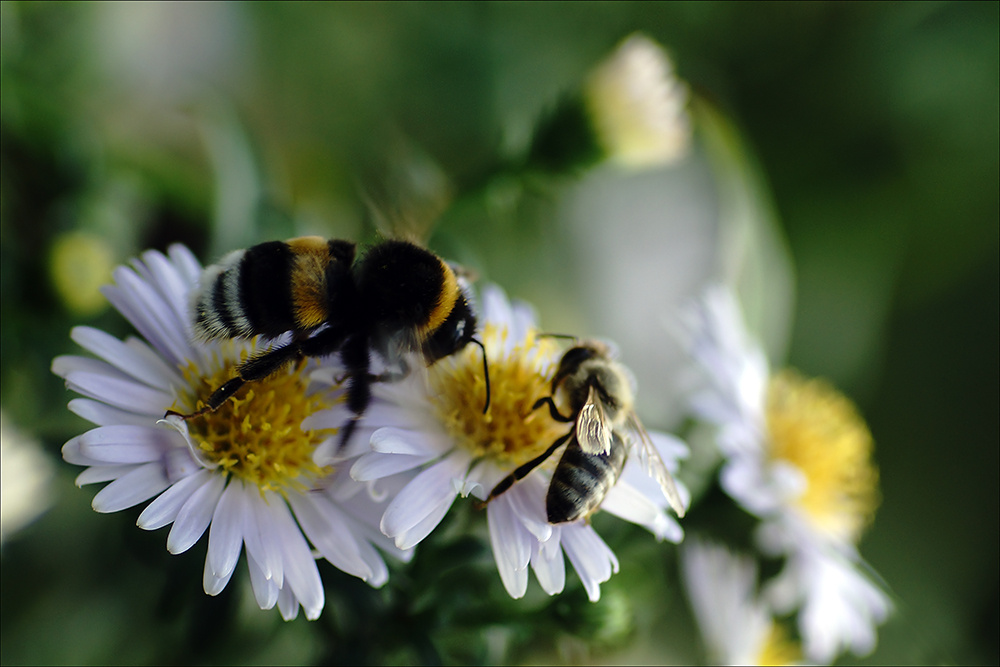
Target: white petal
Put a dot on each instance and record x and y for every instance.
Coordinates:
(330, 532)
(626, 502)
(423, 495)
(156, 314)
(527, 500)
(389, 440)
(376, 466)
(511, 547)
(225, 538)
(414, 535)
(170, 283)
(125, 444)
(590, 556)
(164, 509)
(195, 515)
(65, 364)
(132, 488)
(550, 568)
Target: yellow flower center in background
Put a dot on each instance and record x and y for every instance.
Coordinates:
(779, 649)
(510, 433)
(256, 435)
(816, 428)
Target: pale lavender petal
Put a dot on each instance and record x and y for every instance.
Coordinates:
(225, 537)
(126, 444)
(301, 573)
(102, 414)
(212, 583)
(150, 371)
(131, 489)
(626, 502)
(102, 473)
(147, 312)
(527, 499)
(171, 284)
(121, 393)
(164, 509)
(261, 536)
(72, 453)
(187, 265)
(65, 364)
(195, 515)
(265, 591)
(288, 605)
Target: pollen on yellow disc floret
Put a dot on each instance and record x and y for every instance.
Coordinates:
(257, 434)
(511, 432)
(817, 429)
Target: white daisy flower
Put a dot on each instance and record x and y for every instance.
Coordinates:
(737, 624)
(798, 456)
(637, 105)
(245, 472)
(434, 424)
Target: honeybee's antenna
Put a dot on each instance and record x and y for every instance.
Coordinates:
(559, 335)
(486, 373)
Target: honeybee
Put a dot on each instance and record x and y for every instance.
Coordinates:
(399, 298)
(598, 391)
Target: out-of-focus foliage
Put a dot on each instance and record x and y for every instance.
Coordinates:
(875, 126)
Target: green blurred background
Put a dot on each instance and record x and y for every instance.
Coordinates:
(869, 130)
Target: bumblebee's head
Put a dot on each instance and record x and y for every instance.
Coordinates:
(457, 331)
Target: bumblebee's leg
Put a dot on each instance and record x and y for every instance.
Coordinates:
(522, 471)
(356, 356)
(553, 410)
(255, 368)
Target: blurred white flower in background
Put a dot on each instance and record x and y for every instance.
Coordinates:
(796, 454)
(26, 484)
(736, 622)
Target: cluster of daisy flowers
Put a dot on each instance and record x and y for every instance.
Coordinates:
(264, 473)
(797, 455)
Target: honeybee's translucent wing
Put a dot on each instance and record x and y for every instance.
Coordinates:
(593, 430)
(653, 464)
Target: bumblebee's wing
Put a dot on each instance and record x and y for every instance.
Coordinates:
(653, 464)
(593, 429)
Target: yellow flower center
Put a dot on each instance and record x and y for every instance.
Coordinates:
(779, 649)
(817, 429)
(256, 435)
(511, 432)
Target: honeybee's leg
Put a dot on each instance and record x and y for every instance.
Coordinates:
(255, 368)
(522, 471)
(553, 410)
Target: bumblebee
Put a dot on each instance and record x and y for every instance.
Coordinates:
(397, 299)
(598, 391)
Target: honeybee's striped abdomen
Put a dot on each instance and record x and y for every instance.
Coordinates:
(580, 481)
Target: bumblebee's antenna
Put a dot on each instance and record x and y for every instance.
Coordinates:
(486, 373)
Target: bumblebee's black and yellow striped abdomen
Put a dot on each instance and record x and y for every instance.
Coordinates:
(275, 287)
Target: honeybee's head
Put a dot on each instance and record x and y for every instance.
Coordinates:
(575, 357)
